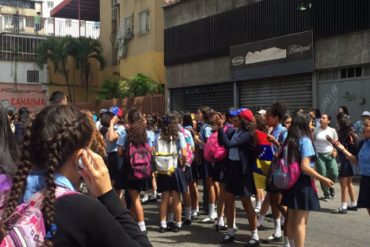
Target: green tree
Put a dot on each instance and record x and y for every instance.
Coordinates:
(56, 51)
(110, 89)
(87, 50)
(141, 85)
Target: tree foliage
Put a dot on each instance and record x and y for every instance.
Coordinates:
(82, 50)
(139, 85)
(56, 51)
(87, 49)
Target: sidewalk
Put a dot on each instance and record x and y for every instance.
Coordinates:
(324, 229)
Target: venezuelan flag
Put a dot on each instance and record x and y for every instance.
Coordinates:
(263, 162)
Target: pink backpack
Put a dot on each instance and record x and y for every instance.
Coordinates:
(213, 152)
(26, 224)
(140, 161)
(284, 175)
(189, 151)
(5, 187)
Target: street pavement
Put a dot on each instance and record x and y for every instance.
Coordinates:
(324, 229)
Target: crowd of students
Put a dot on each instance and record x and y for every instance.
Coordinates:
(118, 157)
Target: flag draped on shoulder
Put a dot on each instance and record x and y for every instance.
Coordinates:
(263, 162)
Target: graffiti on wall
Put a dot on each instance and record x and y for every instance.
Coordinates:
(330, 100)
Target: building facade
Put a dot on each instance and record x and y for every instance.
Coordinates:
(251, 53)
(22, 83)
(132, 38)
(24, 25)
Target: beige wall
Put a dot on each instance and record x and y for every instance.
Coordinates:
(145, 51)
(106, 30)
(149, 63)
(57, 81)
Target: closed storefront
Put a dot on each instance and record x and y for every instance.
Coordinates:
(295, 91)
(348, 86)
(274, 69)
(219, 97)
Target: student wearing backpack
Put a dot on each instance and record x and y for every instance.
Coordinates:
(239, 182)
(150, 132)
(170, 160)
(188, 124)
(274, 116)
(217, 156)
(363, 161)
(133, 147)
(9, 155)
(190, 147)
(53, 146)
(302, 197)
(111, 132)
(350, 140)
(206, 168)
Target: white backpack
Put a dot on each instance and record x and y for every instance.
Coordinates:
(166, 157)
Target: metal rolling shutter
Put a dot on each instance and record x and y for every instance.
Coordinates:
(295, 91)
(219, 97)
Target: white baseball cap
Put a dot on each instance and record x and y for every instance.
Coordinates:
(366, 113)
(262, 112)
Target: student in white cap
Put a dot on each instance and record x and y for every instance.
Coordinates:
(359, 125)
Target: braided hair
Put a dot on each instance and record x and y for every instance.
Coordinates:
(51, 139)
(169, 127)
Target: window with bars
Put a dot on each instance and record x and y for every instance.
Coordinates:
(50, 4)
(33, 76)
(144, 22)
(129, 21)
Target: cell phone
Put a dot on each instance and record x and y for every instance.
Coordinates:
(80, 164)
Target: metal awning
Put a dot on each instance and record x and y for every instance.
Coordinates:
(88, 10)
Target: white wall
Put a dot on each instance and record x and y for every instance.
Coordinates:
(8, 69)
(45, 10)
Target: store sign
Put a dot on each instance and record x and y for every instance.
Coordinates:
(287, 55)
(24, 95)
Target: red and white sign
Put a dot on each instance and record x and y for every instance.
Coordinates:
(13, 96)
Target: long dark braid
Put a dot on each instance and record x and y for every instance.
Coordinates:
(19, 180)
(57, 132)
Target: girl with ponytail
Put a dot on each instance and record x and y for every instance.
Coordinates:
(53, 144)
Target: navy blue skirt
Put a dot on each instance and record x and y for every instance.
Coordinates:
(345, 169)
(175, 182)
(237, 183)
(364, 194)
(205, 170)
(188, 174)
(195, 172)
(302, 196)
(220, 170)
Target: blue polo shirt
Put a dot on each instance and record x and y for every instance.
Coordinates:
(364, 158)
(112, 146)
(276, 134)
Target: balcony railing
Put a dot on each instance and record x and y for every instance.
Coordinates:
(18, 4)
(48, 26)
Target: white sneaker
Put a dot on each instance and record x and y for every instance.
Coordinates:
(209, 220)
(145, 198)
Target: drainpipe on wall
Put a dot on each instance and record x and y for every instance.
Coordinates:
(235, 94)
